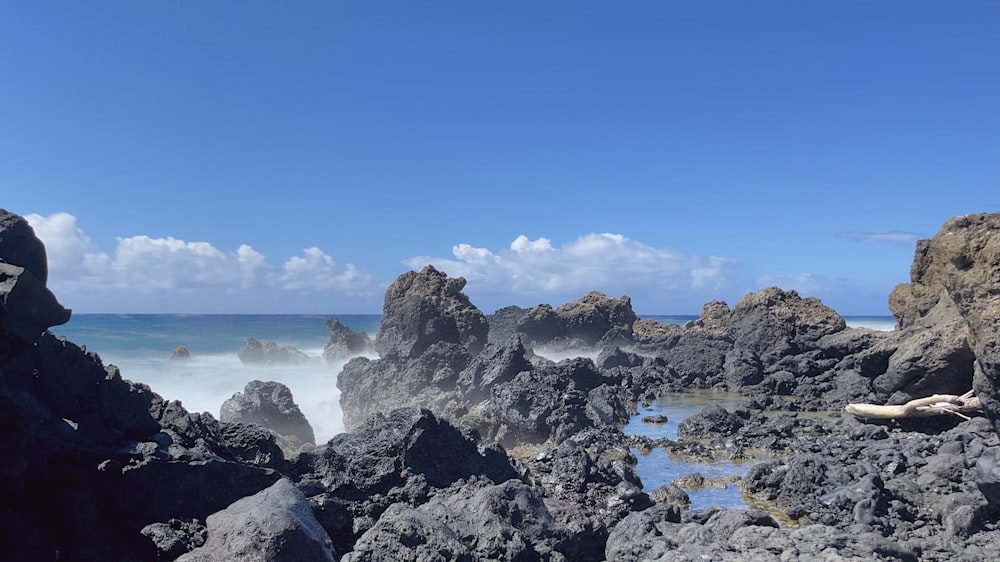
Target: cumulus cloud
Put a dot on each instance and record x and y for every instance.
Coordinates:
(891, 237)
(144, 266)
(608, 262)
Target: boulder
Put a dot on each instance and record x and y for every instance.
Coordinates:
(404, 456)
(180, 353)
(595, 317)
(275, 524)
(271, 353)
(346, 343)
(270, 405)
(713, 421)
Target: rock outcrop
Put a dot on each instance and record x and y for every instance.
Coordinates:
(87, 458)
(270, 405)
(95, 467)
(276, 524)
(346, 343)
(271, 353)
(955, 289)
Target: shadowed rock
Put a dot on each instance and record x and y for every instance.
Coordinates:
(270, 405)
(275, 524)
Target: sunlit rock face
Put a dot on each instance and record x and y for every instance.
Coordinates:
(426, 308)
(957, 272)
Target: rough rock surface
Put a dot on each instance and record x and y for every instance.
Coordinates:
(94, 467)
(592, 320)
(346, 343)
(271, 353)
(424, 309)
(275, 524)
(87, 458)
(960, 268)
(270, 405)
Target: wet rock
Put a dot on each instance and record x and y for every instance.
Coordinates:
(180, 353)
(346, 343)
(271, 353)
(713, 421)
(270, 405)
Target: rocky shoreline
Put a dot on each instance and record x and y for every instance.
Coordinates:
(466, 443)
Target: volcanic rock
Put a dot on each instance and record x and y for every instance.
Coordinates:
(275, 524)
(961, 263)
(345, 343)
(271, 353)
(270, 405)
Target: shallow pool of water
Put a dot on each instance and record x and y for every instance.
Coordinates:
(657, 468)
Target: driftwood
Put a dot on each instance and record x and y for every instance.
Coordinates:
(930, 406)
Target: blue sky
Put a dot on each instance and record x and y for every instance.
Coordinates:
(224, 156)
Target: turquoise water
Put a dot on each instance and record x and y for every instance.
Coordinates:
(140, 346)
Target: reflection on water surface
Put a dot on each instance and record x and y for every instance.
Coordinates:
(657, 468)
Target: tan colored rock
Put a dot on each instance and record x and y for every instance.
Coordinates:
(962, 262)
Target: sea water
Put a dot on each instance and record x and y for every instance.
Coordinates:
(140, 346)
(657, 468)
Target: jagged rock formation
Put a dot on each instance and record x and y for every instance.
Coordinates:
(270, 405)
(345, 343)
(954, 290)
(425, 309)
(593, 320)
(94, 467)
(271, 353)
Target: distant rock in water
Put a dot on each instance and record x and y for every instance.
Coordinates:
(271, 353)
(592, 320)
(180, 353)
(346, 343)
(271, 406)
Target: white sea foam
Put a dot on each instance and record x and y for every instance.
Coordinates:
(204, 382)
(882, 323)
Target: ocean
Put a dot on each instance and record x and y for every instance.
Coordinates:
(140, 346)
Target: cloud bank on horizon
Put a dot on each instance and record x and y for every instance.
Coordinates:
(146, 274)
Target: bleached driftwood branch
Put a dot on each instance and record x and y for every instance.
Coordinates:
(930, 406)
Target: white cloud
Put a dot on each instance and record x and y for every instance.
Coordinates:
(608, 262)
(142, 266)
(71, 254)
